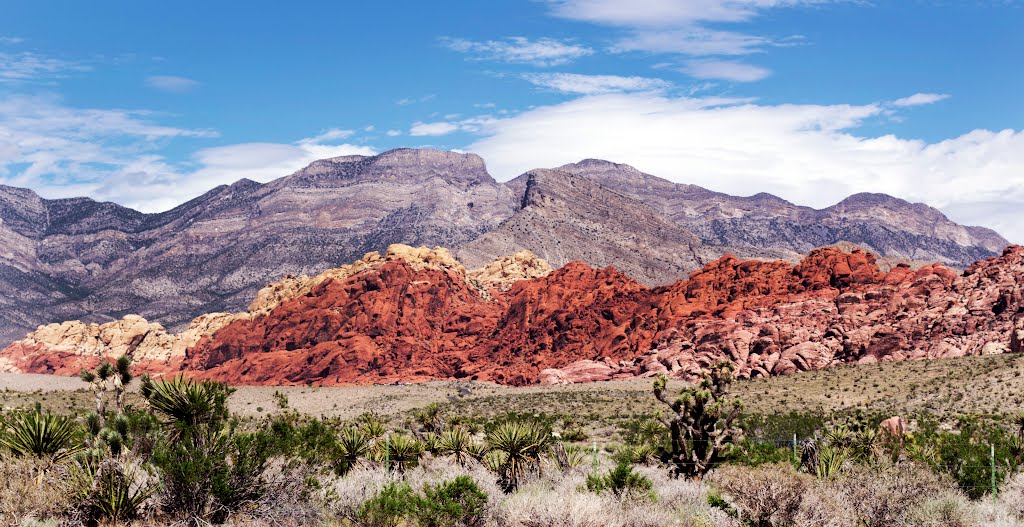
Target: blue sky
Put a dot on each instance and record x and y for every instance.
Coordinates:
(150, 104)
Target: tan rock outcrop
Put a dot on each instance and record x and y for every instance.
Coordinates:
(507, 270)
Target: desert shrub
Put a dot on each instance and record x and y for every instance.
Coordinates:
(1011, 495)
(388, 508)
(780, 428)
(965, 454)
(642, 454)
(950, 509)
(621, 481)
(24, 496)
(686, 500)
(455, 503)
(754, 453)
(210, 474)
(314, 441)
(540, 505)
(887, 495)
(644, 431)
(342, 497)
(822, 506)
(765, 496)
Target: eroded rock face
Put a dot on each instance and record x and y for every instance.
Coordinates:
(417, 314)
(67, 347)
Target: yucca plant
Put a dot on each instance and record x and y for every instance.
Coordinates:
(373, 425)
(185, 403)
(522, 444)
(831, 460)
(494, 460)
(109, 490)
(575, 456)
(399, 452)
(355, 445)
(456, 442)
(44, 436)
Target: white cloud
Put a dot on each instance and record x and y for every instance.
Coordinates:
(809, 154)
(394, 133)
(694, 41)
(541, 52)
(725, 70)
(171, 83)
(406, 101)
(684, 27)
(113, 155)
(6, 40)
(661, 13)
(27, 66)
(919, 99)
(595, 84)
(331, 134)
(472, 125)
(436, 128)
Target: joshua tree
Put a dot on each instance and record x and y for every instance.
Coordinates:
(117, 375)
(704, 422)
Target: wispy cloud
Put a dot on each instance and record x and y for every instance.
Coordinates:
(595, 84)
(687, 27)
(474, 124)
(711, 69)
(919, 99)
(115, 155)
(432, 129)
(694, 41)
(662, 13)
(331, 134)
(406, 101)
(542, 52)
(7, 40)
(27, 66)
(171, 83)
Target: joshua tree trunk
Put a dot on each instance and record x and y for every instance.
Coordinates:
(101, 403)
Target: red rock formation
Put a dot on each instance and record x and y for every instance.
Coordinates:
(403, 322)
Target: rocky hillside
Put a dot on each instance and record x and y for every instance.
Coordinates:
(881, 223)
(418, 314)
(76, 259)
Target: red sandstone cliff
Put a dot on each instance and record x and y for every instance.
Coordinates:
(399, 320)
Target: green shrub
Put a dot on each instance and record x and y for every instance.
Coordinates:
(621, 481)
(388, 508)
(456, 503)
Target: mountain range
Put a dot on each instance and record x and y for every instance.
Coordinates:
(80, 259)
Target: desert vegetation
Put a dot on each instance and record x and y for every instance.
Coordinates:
(172, 452)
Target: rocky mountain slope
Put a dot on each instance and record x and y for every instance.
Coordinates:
(76, 259)
(886, 225)
(418, 314)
